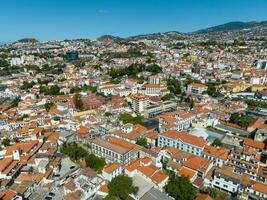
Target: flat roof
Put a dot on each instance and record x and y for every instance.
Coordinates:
(155, 194)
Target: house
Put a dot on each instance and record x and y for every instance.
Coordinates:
(198, 164)
(257, 191)
(178, 120)
(182, 141)
(111, 170)
(219, 155)
(145, 168)
(255, 145)
(86, 184)
(130, 132)
(196, 88)
(189, 173)
(225, 179)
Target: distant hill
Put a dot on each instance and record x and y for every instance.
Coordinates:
(231, 26)
(26, 40)
(109, 38)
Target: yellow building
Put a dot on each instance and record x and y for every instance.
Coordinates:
(255, 88)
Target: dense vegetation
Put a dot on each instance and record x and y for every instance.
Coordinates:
(76, 153)
(27, 85)
(120, 187)
(83, 88)
(174, 86)
(255, 104)
(142, 142)
(128, 118)
(217, 143)
(48, 105)
(134, 69)
(180, 188)
(240, 120)
(53, 90)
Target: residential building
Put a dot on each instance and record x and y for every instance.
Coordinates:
(182, 141)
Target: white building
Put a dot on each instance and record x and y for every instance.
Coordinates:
(183, 141)
(139, 102)
(111, 170)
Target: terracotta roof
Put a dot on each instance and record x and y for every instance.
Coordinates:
(185, 137)
(111, 167)
(187, 173)
(159, 176)
(198, 163)
(254, 144)
(137, 163)
(152, 135)
(104, 188)
(262, 188)
(198, 85)
(7, 194)
(152, 85)
(112, 146)
(218, 152)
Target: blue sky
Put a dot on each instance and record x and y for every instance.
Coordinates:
(67, 19)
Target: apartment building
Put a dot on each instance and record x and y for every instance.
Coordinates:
(245, 161)
(139, 102)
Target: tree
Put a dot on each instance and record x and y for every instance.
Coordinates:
(48, 105)
(121, 186)
(212, 192)
(95, 163)
(167, 97)
(27, 85)
(6, 142)
(180, 188)
(128, 118)
(77, 100)
(174, 86)
(217, 143)
(142, 142)
(242, 121)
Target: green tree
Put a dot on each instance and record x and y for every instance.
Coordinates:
(108, 114)
(121, 186)
(180, 188)
(6, 142)
(213, 192)
(142, 142)
(27, 85)
(240, 120)
(128, 118)
(167, 97)
(217, 143)
(48, 105)
(174, 86)
(95, 163)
